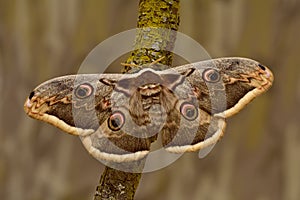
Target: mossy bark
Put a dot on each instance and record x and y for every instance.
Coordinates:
(158, 20)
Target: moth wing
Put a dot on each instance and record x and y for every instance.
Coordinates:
(180, 135)
(110, 145)
(186, 136)
(107, 146)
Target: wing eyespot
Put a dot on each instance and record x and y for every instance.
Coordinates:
(189, 111)
(84, 90)
(116, 121)
(211, 75)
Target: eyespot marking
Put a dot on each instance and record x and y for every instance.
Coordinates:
(84, 90)
(211, 75)
(189, 111)
(116, 121)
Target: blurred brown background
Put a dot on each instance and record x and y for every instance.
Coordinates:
(257, 159)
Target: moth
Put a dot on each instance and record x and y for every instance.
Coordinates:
(118, 116)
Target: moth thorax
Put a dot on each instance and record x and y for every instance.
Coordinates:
(150, 95)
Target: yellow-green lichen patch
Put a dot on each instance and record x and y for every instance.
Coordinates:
(158, 22)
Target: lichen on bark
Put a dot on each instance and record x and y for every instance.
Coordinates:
(157, 24)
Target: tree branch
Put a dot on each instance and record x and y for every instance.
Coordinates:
(115, 184)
